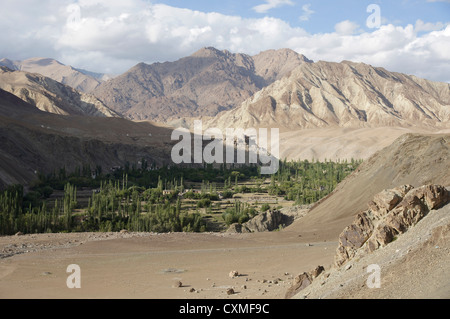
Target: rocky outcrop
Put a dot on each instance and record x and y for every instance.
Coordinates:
(391, 213)
(303, 280)
(266, 221)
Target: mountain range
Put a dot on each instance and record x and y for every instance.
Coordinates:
(324, 110)
(275, 88)
(203, 84)
(346, 94)
(50, 95)
(81, 80)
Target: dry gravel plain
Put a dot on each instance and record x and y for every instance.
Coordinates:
(147, 265)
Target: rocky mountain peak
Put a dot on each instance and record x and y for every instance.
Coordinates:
(42, 62)
(202, 84)
(208, 52)
(273, 65)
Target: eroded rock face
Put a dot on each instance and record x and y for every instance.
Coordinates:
(316, 272)
(266, 221)
(353, 237)
(303, 280)
(391, 213)
(235, 228)
(388, 199)
(432, 196)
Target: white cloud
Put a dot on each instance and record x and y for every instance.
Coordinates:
(427, 26)
(346, 27)
(395, 48)
(307, 12)
(272, 4)
(160, 32)
(112, 36)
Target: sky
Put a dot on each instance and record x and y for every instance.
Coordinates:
(111, 36)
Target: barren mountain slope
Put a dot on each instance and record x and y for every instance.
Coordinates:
(272, 65)
(346, 94)
(33, 140)
(82, 81)
(51, 96)
(339, 143)
(412, 159)
(415, 265)
(203, 84)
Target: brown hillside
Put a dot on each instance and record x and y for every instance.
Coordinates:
(412, 159)
(35, 141)
(80, 81)
(51, 96)
(203, 84)
(346, 94)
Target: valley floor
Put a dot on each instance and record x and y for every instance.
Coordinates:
(147, 265)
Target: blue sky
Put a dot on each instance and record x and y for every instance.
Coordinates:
(327, 12)
(111, 36)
